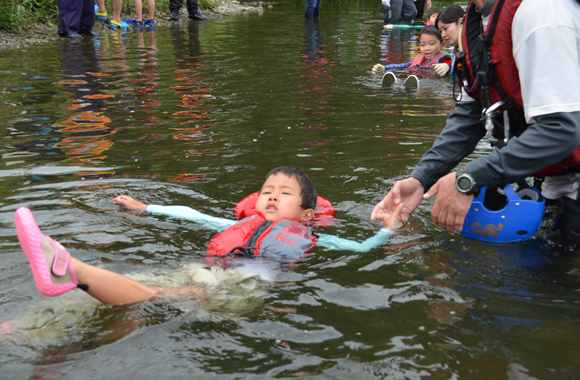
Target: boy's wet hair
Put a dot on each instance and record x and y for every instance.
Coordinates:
(307, 190)
(432, 12)
(450, 14)
(431, 30)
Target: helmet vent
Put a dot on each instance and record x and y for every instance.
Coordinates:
(494, 201)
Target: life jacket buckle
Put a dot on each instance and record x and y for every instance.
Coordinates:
(487, 115)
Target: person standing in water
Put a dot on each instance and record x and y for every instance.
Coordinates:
(536, 87)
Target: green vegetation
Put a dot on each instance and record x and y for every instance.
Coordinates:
(16, 15)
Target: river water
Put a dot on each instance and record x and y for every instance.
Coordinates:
(196, 114)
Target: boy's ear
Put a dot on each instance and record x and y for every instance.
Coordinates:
(307, 215)
(443, 44)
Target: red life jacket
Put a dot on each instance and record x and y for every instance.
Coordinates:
(285, 240)
(421, 63)
(500, 80)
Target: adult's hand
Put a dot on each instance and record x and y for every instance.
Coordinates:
(408, 191)
(451, 206)
(428, 4)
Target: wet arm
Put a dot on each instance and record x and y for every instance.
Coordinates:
(334, 242)
(559, 134)
(182, 212)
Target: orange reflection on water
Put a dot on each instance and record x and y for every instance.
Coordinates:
(186, 178)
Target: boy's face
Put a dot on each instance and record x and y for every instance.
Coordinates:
(280, 198)
(433, 18)
(429, 45)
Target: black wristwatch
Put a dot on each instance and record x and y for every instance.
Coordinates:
(465, 182)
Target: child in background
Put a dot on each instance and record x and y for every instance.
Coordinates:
(449, 23)
(428, 61)
(432, 16)
(278, 228)
(138, 20)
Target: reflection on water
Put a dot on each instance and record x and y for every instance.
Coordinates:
(195, 114)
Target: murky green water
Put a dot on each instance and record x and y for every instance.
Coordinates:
(196, 114)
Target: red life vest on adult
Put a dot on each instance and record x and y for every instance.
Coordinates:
(421, 63)
(500, 80)
(285, 240)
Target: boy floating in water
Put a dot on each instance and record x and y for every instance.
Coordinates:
(430, 60)
(278, 228)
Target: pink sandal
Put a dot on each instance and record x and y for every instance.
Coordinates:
(43, 252)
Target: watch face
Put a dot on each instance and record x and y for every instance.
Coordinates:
(464, 183)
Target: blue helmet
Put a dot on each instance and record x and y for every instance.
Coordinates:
(503, 217)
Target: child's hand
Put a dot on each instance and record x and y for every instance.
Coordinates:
(129, 202)
(441, 68)
(391, 219)
(378, 69)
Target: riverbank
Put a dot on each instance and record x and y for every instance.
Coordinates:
(43, 33)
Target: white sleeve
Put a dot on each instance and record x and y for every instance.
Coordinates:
(546, 48)
(386, 3)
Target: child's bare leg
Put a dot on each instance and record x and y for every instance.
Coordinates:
(55, 272)
(151, 9)
(117, 5)
(138, 10)
(101, 4)
(109, 287)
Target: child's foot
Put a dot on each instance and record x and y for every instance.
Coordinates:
(101, 16)
(129, 202)
(411, 82)
(150, 22)
(133, 21)
(388, 79)
(49, 261)
(118, 25)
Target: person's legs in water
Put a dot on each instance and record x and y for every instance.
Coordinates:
(55, 272)
(117, 5)
(395, 14)
(316, 13)
(87, 20)
(420, 6)
(409, 11)
(310, 6)
(174, 7)
(69, 18)
(388, 15)
(151, 10)
(102, 11)
(567, 219)
(192, 9)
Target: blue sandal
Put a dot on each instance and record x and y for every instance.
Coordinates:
(133, 21)
(100, 16)
(115, 25)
